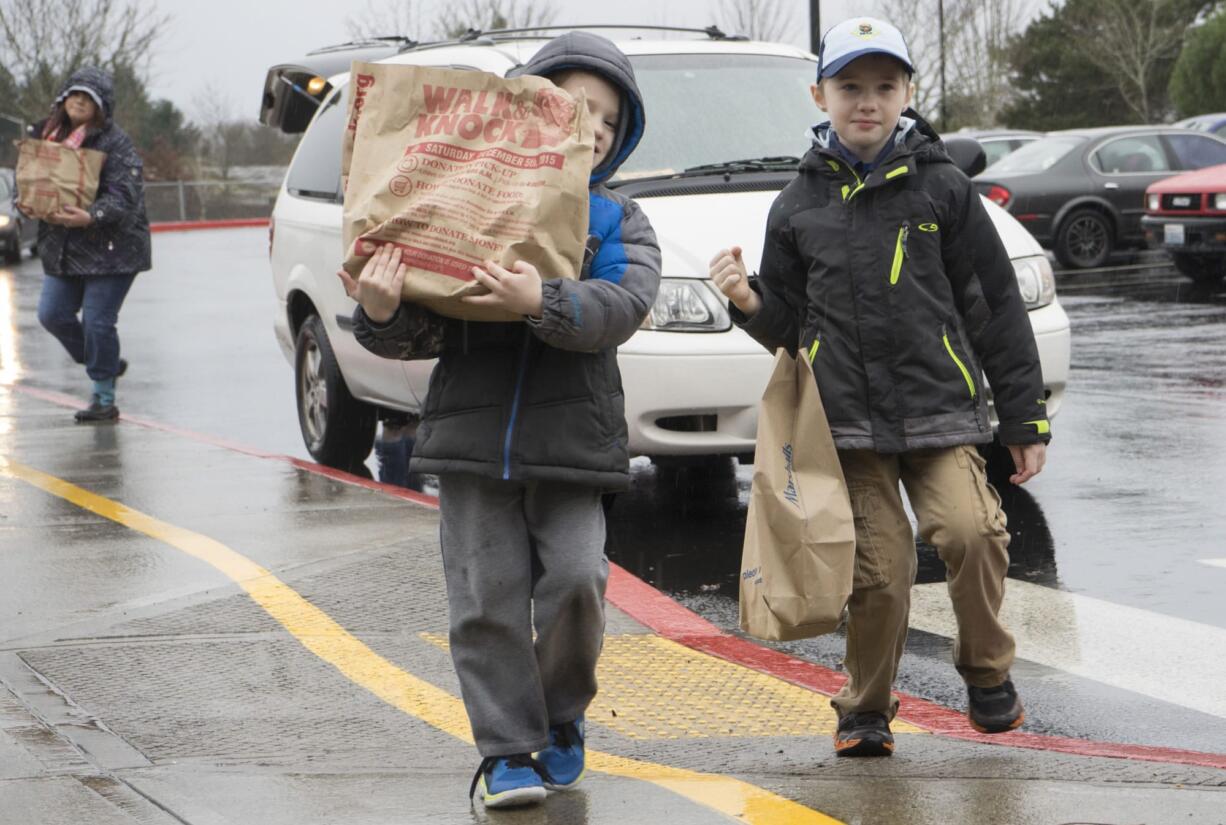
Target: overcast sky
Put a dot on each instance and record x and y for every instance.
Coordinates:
(227, 45)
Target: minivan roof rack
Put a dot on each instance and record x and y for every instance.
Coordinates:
(713, 32)
(397, 41)
(402, 43)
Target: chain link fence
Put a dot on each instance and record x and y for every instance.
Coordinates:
(209, 200)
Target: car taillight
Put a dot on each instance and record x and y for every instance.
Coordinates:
(999, 195)
(272, 230)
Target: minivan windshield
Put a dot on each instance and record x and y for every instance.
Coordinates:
(1038, 156)
(711, 109)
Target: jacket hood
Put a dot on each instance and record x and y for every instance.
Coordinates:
(97, 83)
(593, 53)
(914, 135)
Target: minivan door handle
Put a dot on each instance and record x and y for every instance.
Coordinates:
(1111, 186)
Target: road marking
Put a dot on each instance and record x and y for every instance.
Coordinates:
(1214, 562)
(321, 635)
(1163, 657)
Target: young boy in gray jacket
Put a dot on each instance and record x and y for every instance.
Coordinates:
(524, 425)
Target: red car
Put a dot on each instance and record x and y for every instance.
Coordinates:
(1186, 215)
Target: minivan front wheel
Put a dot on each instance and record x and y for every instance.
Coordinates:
(338, 429)
(1085, 240)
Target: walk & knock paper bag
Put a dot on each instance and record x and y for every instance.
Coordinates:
(457, 167)
(800, 539)
(51, 175)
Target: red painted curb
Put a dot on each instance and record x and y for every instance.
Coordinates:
(185, 226)
(675, 622)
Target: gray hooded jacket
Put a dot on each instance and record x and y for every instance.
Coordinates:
(117, 242)
(543, 401)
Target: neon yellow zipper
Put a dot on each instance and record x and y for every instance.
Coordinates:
(900, 252)
(848, 192)
(966, 374)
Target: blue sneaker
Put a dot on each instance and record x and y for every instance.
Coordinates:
(507, 781)
(563, 759)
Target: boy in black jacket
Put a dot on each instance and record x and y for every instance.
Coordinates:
(882, 267)
(524, 424)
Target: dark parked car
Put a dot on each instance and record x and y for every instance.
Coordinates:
(17, 232)
(997, 143)
(1081, 192)
(1214, 122)
(1186, 216)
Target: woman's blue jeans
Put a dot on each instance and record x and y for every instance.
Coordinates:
(90, 339)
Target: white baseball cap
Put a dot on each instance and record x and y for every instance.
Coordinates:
(846, 41)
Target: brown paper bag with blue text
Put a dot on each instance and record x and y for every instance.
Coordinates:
(800, 539)
(459, 167)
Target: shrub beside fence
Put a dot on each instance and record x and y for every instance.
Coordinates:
(209, 200)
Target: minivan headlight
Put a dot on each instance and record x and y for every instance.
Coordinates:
(1153, 202)
(4, 221)
(1219, 201)
(687, 305)
(1035, 280)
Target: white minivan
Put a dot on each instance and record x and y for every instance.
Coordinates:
(727, 119)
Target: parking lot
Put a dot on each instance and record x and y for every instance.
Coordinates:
(146, 671)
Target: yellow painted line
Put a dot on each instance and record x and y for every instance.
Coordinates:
(321, 635)
(655, 688)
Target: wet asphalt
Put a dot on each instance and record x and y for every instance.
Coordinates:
(1126, 512)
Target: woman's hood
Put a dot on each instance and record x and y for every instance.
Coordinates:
(96, 83)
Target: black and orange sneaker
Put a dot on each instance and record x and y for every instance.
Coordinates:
(864, 734)
(995, 709)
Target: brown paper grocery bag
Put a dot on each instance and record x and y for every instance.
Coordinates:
(52, 175)
(459, 167)
(800, 539)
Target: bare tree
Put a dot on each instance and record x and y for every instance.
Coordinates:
(977, 66)
(1135, 41)
(223, 134)
(42, 41)
(387, 18)
(977, 33)
(460, 16)
(760, 19)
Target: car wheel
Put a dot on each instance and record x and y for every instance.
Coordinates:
(338, 429)
(1085, 240)
(1204, 269)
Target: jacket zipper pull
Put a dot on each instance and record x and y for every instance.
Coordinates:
(906, 233)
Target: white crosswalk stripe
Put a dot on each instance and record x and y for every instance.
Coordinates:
(1163, 657)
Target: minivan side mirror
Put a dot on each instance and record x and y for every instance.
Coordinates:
(967, 155)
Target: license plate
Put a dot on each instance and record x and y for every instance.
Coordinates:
(1172, 234)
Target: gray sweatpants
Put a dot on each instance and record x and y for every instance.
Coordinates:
(519, 555)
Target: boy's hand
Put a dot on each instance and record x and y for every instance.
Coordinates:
(1028, 459)
(72, 217)
(517, 290)
(729, 274)
(378, 286)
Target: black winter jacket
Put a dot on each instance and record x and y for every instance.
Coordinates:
(117, 242)
(899, 290)
(543, 401)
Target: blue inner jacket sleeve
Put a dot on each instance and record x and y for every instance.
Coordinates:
(605, 221)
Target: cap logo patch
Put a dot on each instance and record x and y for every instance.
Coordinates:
(866, 30)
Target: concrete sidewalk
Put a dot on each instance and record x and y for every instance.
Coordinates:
(194, 634)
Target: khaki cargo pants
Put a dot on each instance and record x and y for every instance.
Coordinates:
(959, 513)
